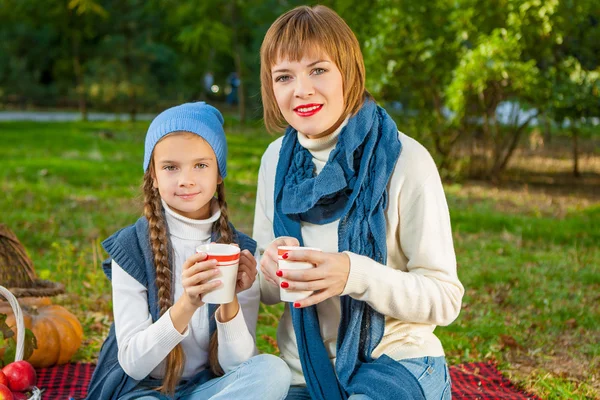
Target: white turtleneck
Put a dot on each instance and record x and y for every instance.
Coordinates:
(416, 290)
(143, 345)
(321, 148)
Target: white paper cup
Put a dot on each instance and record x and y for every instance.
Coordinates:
(293, 295)
(228, 261)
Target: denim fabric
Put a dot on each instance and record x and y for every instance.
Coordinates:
(263, 377)
(431, 372)
(433, 375)
(298, 393)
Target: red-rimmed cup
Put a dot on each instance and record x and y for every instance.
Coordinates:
(228, 261)
(292, 295)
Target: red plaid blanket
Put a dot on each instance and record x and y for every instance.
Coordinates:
(469, 381)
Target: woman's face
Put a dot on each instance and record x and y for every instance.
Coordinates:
(309, 94)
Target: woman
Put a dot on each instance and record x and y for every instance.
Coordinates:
(345, 180)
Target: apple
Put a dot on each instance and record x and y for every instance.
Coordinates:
(5, 393)
(20, 396)
(21, 376)
(3, 379)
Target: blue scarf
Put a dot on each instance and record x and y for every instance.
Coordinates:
(352, 187)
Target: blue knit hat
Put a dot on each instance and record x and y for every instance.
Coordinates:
(199, 118)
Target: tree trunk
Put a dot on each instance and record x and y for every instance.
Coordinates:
(239, 64)
(129, 72)
(437, 136)
(575, 135)
(503, 162)
(78, 70)
(80, 88)
(547, 129)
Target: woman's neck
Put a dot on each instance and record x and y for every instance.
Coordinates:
(321, 147)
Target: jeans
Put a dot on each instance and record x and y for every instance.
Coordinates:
(263, 377)
(431, 372)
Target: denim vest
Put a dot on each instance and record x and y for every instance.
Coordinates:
(130, 249)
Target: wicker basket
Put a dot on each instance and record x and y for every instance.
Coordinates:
(17, 272)
(36, 393)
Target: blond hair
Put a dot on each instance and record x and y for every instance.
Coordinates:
(161, 251)
(311, 31)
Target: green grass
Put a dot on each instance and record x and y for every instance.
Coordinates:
(532, 279)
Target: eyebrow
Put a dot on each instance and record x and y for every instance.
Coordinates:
(309, 65)
(177, 162)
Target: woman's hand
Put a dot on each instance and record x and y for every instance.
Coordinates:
(328, 279)
(269, 263)
(197, 271)
(246, 271)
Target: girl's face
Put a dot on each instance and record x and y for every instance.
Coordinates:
(186, 174)
(309, 94)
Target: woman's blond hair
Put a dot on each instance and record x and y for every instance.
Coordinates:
(311, 31)
(162, 253)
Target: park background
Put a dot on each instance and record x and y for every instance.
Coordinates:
(505, 94)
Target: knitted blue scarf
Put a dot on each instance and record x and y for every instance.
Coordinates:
(352, 187)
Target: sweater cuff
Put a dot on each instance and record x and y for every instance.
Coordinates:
(166, 334)
(358, 276)
(233, 329)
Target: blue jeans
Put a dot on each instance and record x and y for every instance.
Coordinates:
(431, 372)
(261, 377)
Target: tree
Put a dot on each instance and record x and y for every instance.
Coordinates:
(27, 46)
(75, 22)
(575, 76)
(411, 49)
(576, 101)
(229, 32)
(491, 74)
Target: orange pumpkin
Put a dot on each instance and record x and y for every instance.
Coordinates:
(57, 331)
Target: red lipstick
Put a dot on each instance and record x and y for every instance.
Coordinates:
(307, 110)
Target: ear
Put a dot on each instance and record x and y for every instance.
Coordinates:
(219, 180)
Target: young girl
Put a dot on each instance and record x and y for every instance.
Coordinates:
(345, 180)
(165, 342)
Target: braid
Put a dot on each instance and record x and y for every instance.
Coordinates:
(226, 236)
(222, 225)
(213, 355)
(159, 241)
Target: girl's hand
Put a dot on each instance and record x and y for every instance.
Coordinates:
(197, 270)
(246, 271)
(269, 263)
(328, 279)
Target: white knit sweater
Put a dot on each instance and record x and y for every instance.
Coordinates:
(143, 345)
(417, 289)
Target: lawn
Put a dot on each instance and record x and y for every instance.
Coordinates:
(528, 254)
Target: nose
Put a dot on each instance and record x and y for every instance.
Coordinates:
(304, 87)
(185, 178)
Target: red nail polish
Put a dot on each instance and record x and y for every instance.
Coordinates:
(285, 285)
(296, 305)
(285, 256)
(279, 273)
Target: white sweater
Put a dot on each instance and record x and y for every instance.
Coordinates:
(143, 345)
(417, 289)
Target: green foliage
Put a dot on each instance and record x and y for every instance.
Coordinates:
(83, 7)
(490, 73)
(576, 94)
